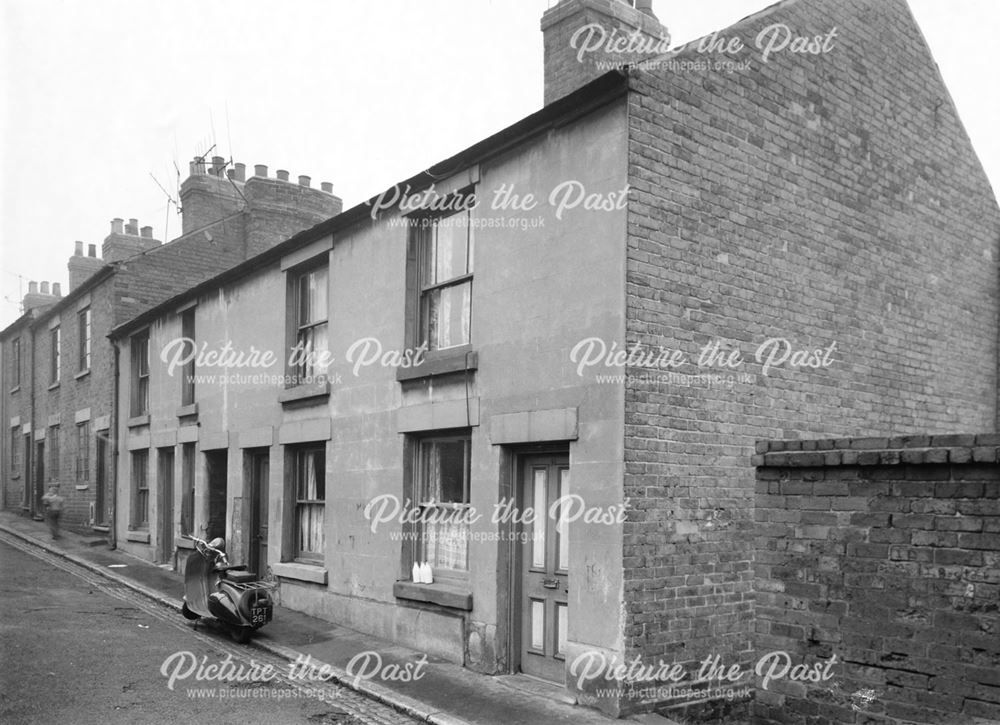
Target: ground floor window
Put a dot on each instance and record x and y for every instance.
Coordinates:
(187, 488)
(140, 489)
(308, 469)
(441, 490)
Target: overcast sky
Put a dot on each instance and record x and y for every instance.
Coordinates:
(101, 96)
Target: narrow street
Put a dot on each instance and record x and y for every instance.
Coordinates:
(77, 648)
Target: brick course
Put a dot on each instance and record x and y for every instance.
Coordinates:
(901, 586)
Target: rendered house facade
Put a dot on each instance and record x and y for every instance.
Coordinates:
(712, 255)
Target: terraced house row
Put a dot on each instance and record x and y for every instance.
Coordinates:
(599, 308)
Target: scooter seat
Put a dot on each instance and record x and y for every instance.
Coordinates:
(240, 577)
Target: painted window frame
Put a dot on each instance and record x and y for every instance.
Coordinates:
(140, 490)
(139, 373)
(85, 331)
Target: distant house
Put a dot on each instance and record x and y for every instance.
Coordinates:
(58, 367)
(711, 254)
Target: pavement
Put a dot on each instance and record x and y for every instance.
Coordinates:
(447, 694)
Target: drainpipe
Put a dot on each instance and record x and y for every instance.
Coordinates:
(32, 448)
(113, 431)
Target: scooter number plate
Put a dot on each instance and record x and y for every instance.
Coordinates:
(260, 615)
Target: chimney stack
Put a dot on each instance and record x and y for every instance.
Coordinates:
(121, 244)
(577, 34)
(38, 298)
(81, 267)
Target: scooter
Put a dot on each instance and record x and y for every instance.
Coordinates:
(233, 596)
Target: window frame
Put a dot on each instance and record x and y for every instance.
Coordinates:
(140, 490)
(84, 324)
(418, 486)
(189, 464)
(83, 453)
(139, 374)
(15, 450)
(15, 354)
(52, 448)
(424, 238)
(303, 373)
(188, 369)
(55, 355)
(296, 456)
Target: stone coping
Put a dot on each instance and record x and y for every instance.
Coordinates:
(905, 450)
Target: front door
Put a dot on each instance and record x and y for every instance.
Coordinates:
(165, 486)
(39, 471)
(544, 565)
(217, 470)
(100, 477)
(259, 473)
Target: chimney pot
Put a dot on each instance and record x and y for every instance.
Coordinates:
(116, 225)
(282, 175)
(57, 289)
(260, 170)
(147, 232)
(304, 181)
(218, 164)
(45, 288)
(132, 227)
(231, 174)
(199, 165)
(327, 187)
(32, 288)
(241, 171)
(78, 251)
(92, 250)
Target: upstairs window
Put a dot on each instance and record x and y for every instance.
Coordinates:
(55, 355)
(140, 374)
(187, 372)
(445, 250)
(83, 323)
(310, 294)
(15, 362)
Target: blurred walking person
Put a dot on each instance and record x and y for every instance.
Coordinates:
(53, 504)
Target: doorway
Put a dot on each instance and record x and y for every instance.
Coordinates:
(217, 475)
(39, 473)
(258, 466)
(100, 478)
(165, 488)
(542, 571)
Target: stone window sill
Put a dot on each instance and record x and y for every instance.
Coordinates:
(141, 537)
(82, 374)
(82, 486)
(136, 420)
(445, 595)
(185, 411)
(101, 528)
(441, 362)
(54, 385)
(302, 572)
(15, 389)
(315, 393)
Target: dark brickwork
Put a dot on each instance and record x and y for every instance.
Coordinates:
(820, 198)
(565, 69)
(886, 554)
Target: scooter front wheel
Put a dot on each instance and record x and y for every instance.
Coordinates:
(242, 634)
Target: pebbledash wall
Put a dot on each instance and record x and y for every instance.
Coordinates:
(878, 559)
(827, 199)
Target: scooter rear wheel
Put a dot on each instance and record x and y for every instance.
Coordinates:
(242, 634)
(188, 614)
